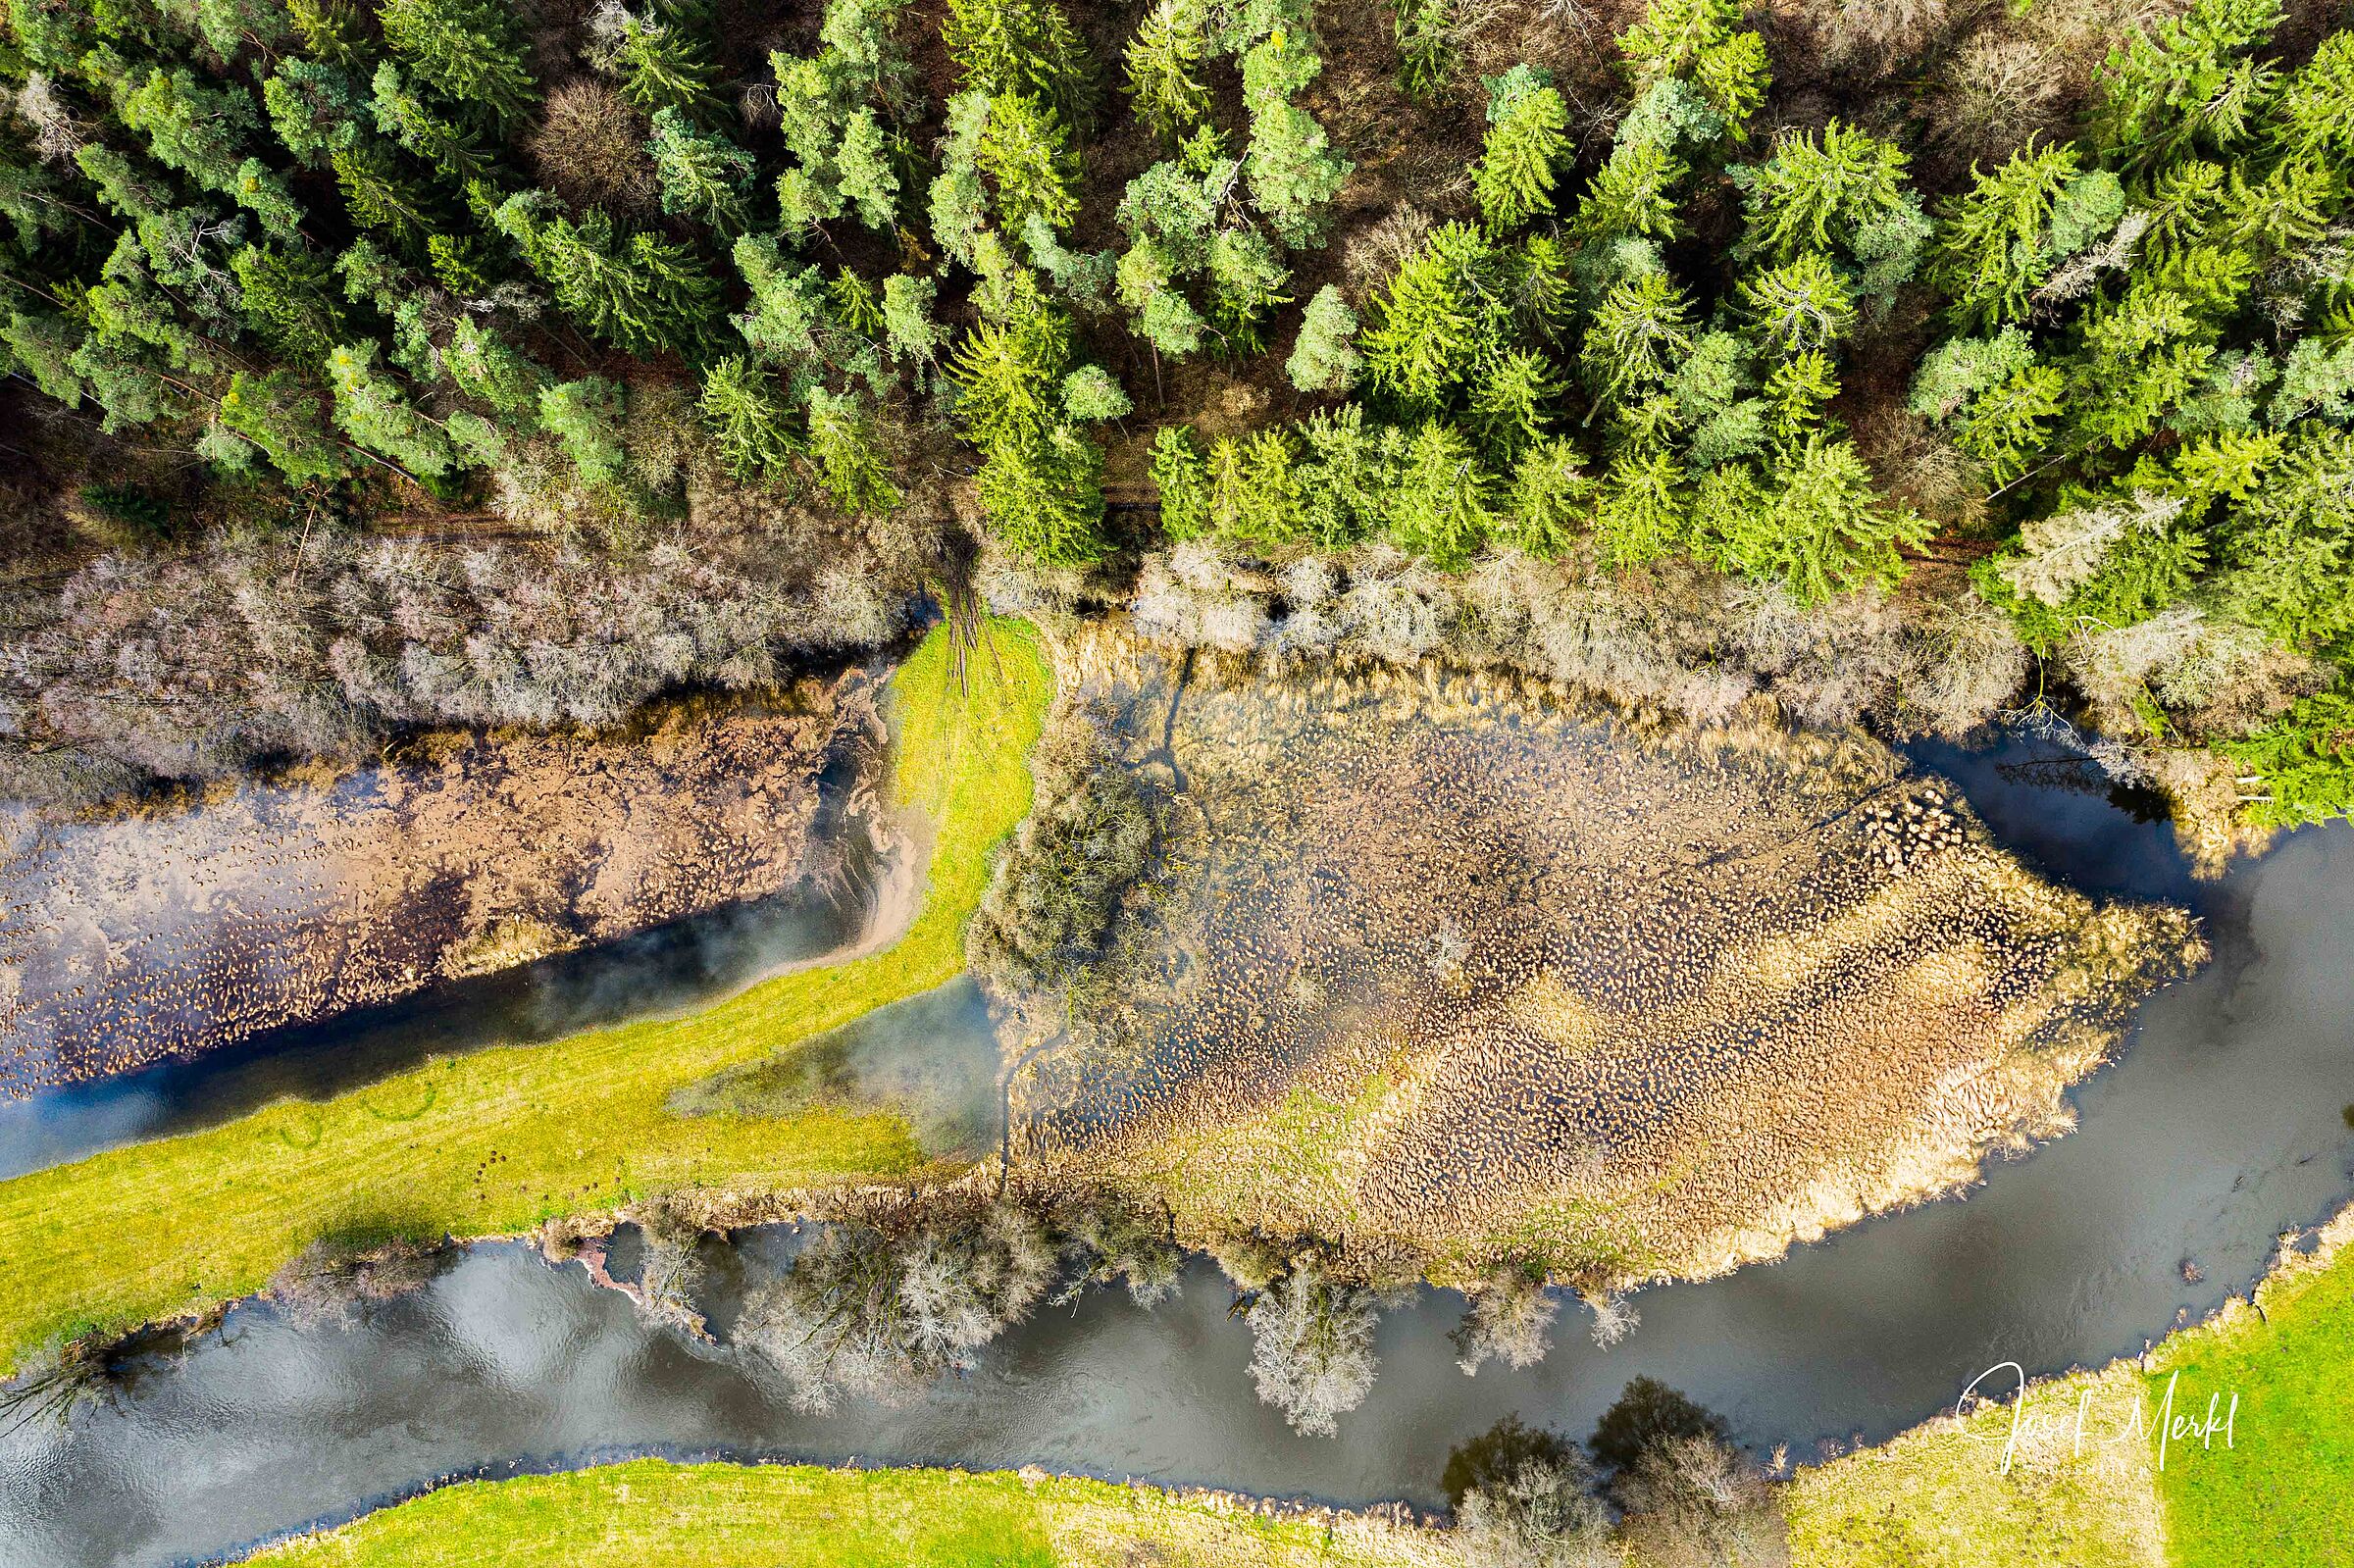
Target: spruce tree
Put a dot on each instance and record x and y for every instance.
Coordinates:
(1163, 60)
(467, 51)
(1324, 358)
(585, 417)
(1527, 141)
(706, 178)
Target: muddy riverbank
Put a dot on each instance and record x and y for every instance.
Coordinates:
(166, 935)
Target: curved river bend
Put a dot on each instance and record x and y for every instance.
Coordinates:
(2227, 1123)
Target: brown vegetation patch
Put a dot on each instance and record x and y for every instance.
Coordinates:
(1443, 971)
(132, 940)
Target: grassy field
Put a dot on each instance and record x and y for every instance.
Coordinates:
(493, 1142)
(2282, 1491)
(772, 1516)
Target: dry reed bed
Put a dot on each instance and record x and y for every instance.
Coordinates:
(1445, 973)
(132, 939)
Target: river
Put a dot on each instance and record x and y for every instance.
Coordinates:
(2228, 1120)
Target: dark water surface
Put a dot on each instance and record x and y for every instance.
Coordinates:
(2222, 1127)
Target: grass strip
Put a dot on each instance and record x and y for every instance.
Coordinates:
(788, 1516)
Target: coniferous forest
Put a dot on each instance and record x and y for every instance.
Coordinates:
(448, 361)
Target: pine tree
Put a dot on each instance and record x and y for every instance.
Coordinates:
(376, 412)
(467, 51)
(1247, 279)
(1091, 393)
(1293, 171)
(1324, 359)
(1163, 59)
(706, 178)
(1441, 506)
(43, 345)
(751, 422)
(481, 365)
(314, 108)
(284, 417)
(869, 179)
(1527, 141)
(847, 453)
(908, 325)
(585, 417)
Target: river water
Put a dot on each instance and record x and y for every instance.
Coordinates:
(2229, 1121)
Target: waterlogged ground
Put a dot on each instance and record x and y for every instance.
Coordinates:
(1438, 969)
(173, 933)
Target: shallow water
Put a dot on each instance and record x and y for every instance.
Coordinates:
(2221, 1128)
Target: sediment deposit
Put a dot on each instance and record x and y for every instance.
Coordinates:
(171, 931)
(1443, 970)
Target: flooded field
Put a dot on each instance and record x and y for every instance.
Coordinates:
(163, 935)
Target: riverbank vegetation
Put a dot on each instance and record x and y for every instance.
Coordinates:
(433, 360)
(802, 1516)
(498, 1140)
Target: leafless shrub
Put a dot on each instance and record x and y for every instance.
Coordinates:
(878, 1312)
(1050, 904)
(589, 148)
(1374, 252)
(1510, 1318)
(1614, 1318)
(326, 1280)
(1311, 1349)
(2000, 90)
(1105, 1238)
(1696, 1502)
(669, 1267)
(1883, 31)
(254, 646)
(1541, 1514)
